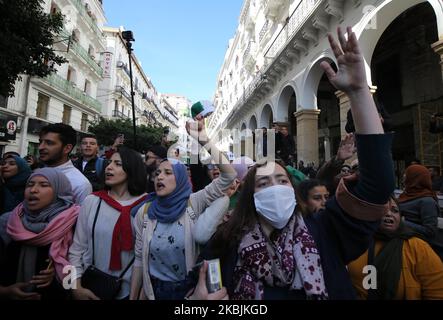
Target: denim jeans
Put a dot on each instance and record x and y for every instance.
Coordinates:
(166, 290)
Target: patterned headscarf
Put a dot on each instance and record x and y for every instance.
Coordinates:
(291, 260)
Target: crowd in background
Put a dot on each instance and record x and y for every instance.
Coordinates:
(129, 226)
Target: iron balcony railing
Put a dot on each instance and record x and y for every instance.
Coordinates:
(82, 53)
(119, 114)
(69, 88)
(89, 21)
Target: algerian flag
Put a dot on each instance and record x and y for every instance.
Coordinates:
(203, 108)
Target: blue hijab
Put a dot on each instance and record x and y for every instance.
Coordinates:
(170, 208)
(14, 187)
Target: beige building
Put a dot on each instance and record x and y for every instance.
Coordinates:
(70, 94)
(272, 72)
(115, 90)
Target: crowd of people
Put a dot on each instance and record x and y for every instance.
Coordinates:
(134, 228)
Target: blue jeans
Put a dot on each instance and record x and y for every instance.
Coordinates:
(168, 290)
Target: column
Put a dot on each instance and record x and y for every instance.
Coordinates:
(438, 48)
(307, 135)
(345, 105)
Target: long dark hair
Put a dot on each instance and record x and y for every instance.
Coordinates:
(244, 216)
(135, 170)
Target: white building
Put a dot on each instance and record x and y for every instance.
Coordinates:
(271, 72)
(182, 106)
(115, 90)
(70, 95)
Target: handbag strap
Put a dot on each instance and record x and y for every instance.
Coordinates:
(126, 269)
(93, 243)
(93, 231)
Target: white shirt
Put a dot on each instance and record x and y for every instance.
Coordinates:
(81, 187)
(80, 252)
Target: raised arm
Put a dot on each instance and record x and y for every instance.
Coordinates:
(351, 79)
(376, 180)
(197, 131)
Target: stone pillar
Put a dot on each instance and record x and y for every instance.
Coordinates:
(345, 105)
(307, 135)
(438, 48)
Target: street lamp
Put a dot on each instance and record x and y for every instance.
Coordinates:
(129, 37)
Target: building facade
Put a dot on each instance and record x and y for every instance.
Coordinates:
(70, 94)
(272, 72)
(115, 90)
(182, 106)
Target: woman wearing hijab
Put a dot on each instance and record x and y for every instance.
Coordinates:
(104, 237)
(406, 267)
(15, 173)
(39, 233)
(419, 205)
(166, 250)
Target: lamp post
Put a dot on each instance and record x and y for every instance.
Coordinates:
(129, 37)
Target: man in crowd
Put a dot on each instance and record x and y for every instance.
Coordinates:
(153, 158)
(286, 148)
(56, 143)
(89, 163)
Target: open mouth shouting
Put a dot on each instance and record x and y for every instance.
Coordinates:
(159, 186)
(33, 200)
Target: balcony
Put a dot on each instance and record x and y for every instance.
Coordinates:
(83, 54)
(63, 85)
(123, 92)
(249, 56)
(124, 67)
(293, 25)
(119, 114)
(89, 21)
(272, 7)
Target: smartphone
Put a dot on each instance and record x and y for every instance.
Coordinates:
(213, 274)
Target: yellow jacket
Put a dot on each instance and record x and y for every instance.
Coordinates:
(421, 277)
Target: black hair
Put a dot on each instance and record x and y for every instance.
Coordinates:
(305, 186)
(66, 133)
(159, 151)
(88, 135)
(10, 153)
(135, 170)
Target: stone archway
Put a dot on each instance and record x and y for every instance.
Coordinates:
(253, 123)
(329, 131)
(406, 71)
(266, 117)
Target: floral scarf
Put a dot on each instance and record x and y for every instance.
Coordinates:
(290, 260)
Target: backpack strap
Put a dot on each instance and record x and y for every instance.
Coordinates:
(145, 213)
(99, 164)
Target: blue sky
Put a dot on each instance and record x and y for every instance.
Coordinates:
(180, 43)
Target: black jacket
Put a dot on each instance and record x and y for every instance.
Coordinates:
(340, 238)
(95, 178)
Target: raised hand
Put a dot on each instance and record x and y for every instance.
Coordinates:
(351, 75)
(197, 130)
(347, 147)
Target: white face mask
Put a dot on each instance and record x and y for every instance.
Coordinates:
(276, 204)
